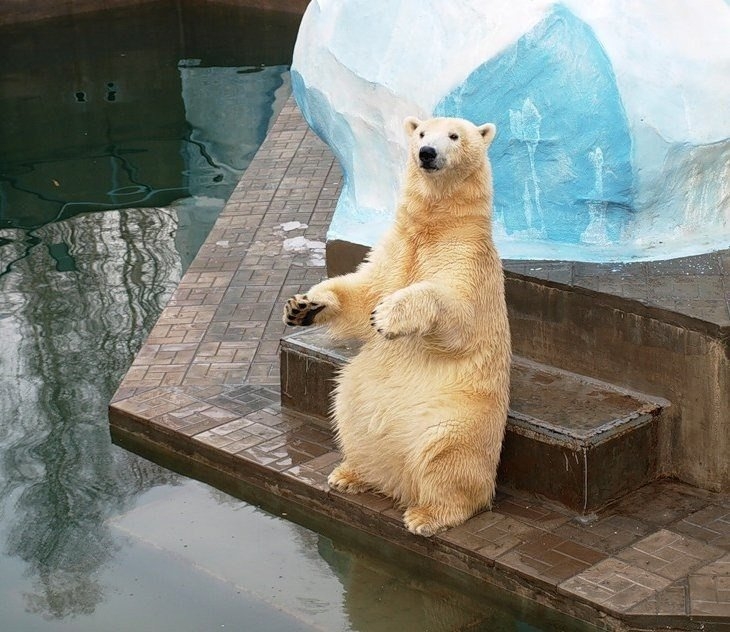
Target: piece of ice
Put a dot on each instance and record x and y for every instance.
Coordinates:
(288, 226)
(301, 244)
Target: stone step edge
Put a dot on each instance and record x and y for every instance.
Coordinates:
(545, 431)
(522, 423)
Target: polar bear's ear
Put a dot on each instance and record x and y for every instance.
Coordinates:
(488, 132)
(411, 123)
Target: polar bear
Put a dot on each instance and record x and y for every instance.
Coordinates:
(420, 412)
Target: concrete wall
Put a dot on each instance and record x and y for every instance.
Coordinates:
(641, 349)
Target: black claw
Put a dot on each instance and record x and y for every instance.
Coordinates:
(294, 310)
(301, 305)
(309, 316)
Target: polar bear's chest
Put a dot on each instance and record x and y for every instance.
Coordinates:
(426, 255)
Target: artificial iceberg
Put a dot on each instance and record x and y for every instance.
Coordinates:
(613, 120)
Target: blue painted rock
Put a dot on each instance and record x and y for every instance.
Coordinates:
(613, 117)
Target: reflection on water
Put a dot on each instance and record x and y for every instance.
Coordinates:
(106, 112)
(139, 108)
(320, 582)
(406, 601)
(68, 336)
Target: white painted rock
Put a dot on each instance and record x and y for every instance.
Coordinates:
(613, 116)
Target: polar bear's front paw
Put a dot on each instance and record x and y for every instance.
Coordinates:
(345, 480)
(391, 318)
(301, 311)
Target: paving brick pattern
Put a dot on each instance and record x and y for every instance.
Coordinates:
(709, 589)
(609, 533)
(669, 554)
(550, 558)
(491, 534)
(221, 325)
(710, 525)
(615, 584)
(205, 386)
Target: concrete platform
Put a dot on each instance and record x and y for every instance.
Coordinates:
(202, 397)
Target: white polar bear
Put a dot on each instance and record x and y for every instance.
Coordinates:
(420, 412)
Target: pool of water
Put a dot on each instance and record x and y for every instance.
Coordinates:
(121, 136)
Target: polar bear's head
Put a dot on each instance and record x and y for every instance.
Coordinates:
(442, 145)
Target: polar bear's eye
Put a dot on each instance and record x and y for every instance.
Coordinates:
(453, 136)
(422, 134)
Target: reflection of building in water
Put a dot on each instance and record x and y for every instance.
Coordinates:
(97, 123)
(228, 111)
(101, 117)
(67, 338)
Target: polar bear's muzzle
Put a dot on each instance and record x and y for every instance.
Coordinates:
(428, 158)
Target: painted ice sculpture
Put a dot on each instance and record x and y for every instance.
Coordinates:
(613, 117)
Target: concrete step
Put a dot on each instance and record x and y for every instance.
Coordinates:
(572, 439)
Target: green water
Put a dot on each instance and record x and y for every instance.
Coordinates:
(121, 136)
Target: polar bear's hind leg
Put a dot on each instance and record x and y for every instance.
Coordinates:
(456, 483)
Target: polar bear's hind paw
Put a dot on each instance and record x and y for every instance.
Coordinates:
(345, 480)
(422, 521)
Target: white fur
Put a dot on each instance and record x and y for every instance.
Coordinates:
(420, 412)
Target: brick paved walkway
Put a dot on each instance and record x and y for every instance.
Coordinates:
(203, 395)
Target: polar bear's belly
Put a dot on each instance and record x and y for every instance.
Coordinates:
(392, 402)
(396, 392)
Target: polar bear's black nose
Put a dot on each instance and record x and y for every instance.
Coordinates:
(427, 156)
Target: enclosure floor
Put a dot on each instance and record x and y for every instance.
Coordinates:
(203, 392)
